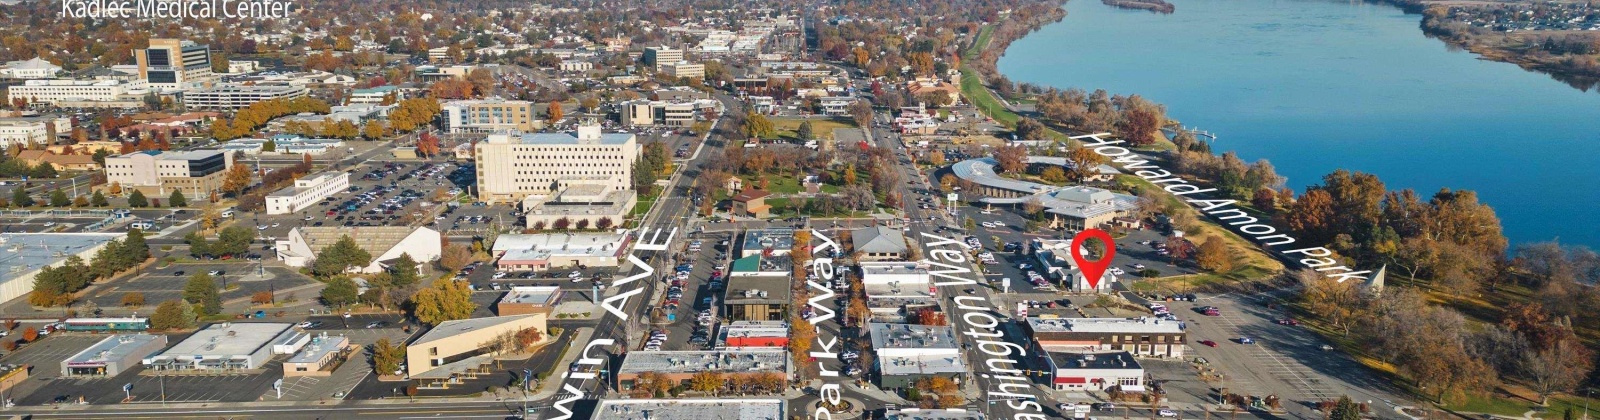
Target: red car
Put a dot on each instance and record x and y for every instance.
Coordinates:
(1208, 343)
(1289, 321)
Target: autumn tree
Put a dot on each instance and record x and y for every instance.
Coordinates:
(133, 299)
(1141, 121)
(387, 357)
(1213, 255)
(553, 113)
(758, 126)
(447, 300)
(1012, 159)
(455, 257)
(706, 381)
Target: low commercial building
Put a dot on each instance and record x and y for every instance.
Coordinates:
(307, 191)
(375, 95)
(488, 115)
(754, 335)
(932, 414)
(538, 252)
(384, 243)
(456, 351)
(1073, 207)
(230, 346)
(1095, 371)
(22, 255)
(284, 144)
(691, 409)
(583, 204)
(112, 355)
(575, 65)
(908, 353)
(757, 298)
(1053, 257)
(836, 106)
(879, 243)
(35, 68)
(647, 113)
(767, 242)
(1148, 337)
(679, 366)
(156, 173)
(526, 300)
(236, 97)
(59, 162)
(751, 203)
(318, 357)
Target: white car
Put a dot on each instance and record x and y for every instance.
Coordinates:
(274, 225)
(49, 224)
(261, 228)
(987, 225)
(214, 272)
(1116, 270)
(1167, 413)
(499, 274)
(575, 274)
(999, 223)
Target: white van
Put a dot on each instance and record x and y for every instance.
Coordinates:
(142, 225)
(227, 213)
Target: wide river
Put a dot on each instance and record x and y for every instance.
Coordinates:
(1315, 86)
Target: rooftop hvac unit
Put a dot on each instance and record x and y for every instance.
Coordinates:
(763, 294)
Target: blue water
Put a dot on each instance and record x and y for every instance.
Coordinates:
(1314, 86)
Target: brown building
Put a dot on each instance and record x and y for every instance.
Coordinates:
(756, 298)
(752, 203)
(1148, 337)
(525, 300)
(60, 162)
(679, 366)
(456, 351)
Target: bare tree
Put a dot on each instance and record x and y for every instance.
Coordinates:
(1556, 369)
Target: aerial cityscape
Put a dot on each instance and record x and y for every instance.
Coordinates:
(777, 209)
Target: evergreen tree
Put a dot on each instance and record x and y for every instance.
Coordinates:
(339, 257)
(177, 199)
(98, 199)
(805, 130)
(134, 249)
(1345, 409)
(20, 197)
(202, 290)
(137, 200)
(403, 273)
(59, 198)
(340, 291)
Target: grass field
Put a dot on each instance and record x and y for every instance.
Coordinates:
(821, 128)
(1249, 262)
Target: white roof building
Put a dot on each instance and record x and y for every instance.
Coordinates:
(245, 345)
(690, 409)
(385, 243)
(35, 68)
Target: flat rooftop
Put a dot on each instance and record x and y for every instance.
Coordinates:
(775, 238)
(307, 183)
(227, 340)
(1104, 325)
(22, 253)
(910, 336)
(688, 361)
(932, 414)
(549, 139)
(563, 244)
(748, 289)
(676, 409)
(927, 364)
(319, 348)
(891, 268)
(1111, 360)
(115, 347)
(538, 295)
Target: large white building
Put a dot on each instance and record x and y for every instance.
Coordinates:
(512, 167)
(35, 68)
(384, 243)
(307, 191)
(54, 91)
(907, 353)
(523, 252)
(230, 346)
(234, 97)
(22, 132)
(22, 255)
(196, 172)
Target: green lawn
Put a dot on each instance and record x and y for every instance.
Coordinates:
(972, 88)
(821, 128)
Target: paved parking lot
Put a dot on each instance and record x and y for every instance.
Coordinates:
(1130, 252)
(237, 280)
(696, 288)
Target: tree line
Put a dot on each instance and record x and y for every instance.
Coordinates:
(54, 286)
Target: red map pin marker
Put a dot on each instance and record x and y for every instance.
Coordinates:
(1093, 270)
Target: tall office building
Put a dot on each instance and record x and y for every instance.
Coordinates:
(656, 56)
(174, 64)
(514, 166)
